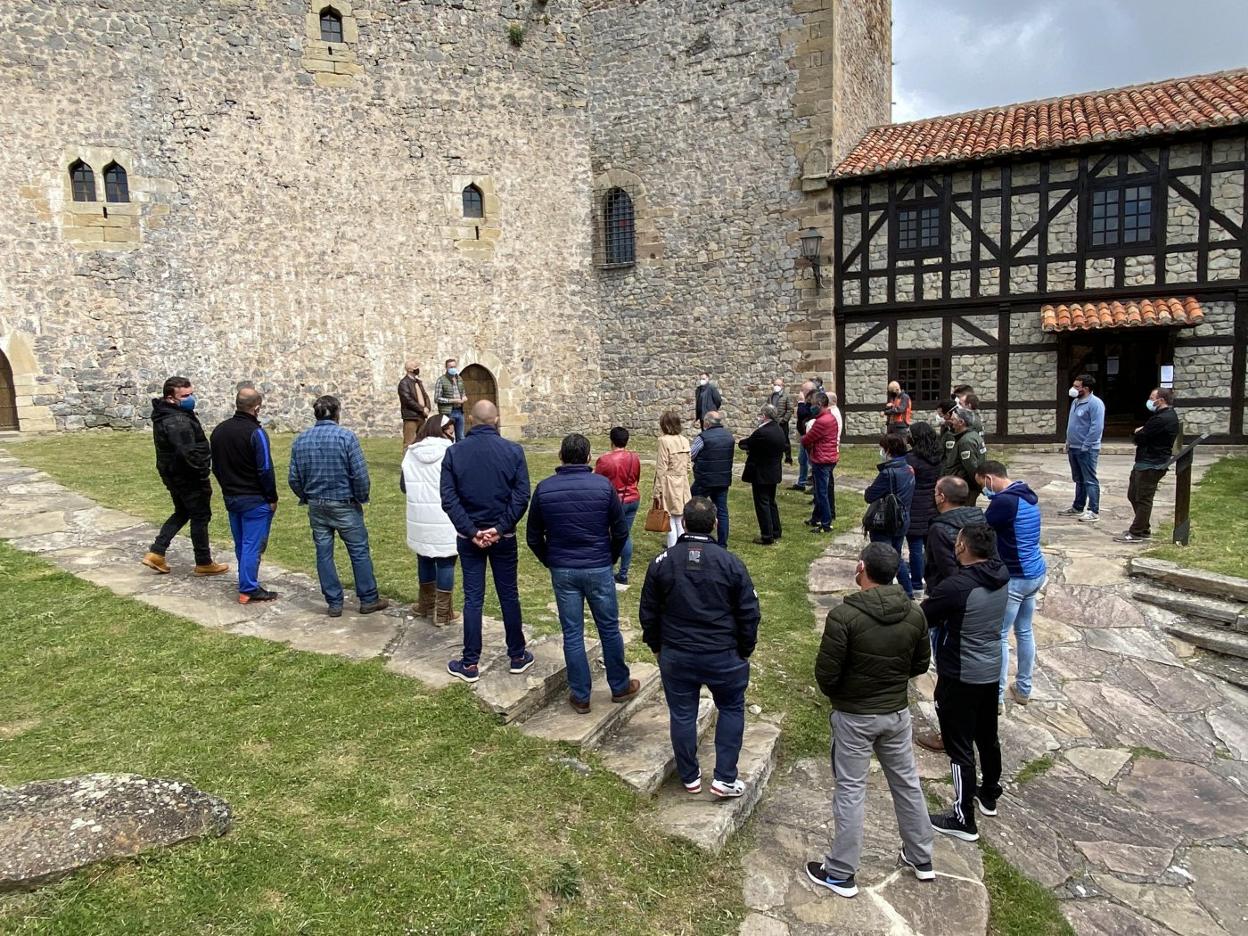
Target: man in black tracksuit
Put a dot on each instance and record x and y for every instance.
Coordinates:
(967, 609)
(1153, 444)
(183, 460)
(699, 615)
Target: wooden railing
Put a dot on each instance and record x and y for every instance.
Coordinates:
(1182, 463)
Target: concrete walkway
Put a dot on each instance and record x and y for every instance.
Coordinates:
(1133, 807)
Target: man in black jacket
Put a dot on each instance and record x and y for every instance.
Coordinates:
(711, 453)
(873, 644)
(183, 461)
(966, 610)
(706, 398)
(699, 615)
(1154, 442)
(763, 472)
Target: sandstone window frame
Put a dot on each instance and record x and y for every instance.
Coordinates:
(82, 182)
(101, 224)
(331, 55)
(116, 184)
(648, 247)
(477, 237)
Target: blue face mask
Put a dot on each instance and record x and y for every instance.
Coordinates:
(453, 371)
(187, 403)
(1152, 405)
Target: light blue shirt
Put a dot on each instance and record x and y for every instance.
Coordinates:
(1086, 424)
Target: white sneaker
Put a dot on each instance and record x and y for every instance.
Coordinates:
(620, 588)
(728, 790)
(1089, 517)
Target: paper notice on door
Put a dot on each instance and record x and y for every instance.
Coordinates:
(1167, 375)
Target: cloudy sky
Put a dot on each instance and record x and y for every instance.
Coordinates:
(957, 55)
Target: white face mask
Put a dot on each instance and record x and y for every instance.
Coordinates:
(884, 456)
(778, 389)
(702, 382)
(1073, 392)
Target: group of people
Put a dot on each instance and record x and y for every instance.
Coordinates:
(978, 572)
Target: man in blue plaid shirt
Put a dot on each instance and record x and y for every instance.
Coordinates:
(328, 474)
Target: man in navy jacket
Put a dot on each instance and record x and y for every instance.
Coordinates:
(577, 530)
(485, 492)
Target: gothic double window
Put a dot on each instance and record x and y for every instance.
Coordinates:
(82, 182)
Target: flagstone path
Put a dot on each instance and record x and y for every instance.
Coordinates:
(1133, 808)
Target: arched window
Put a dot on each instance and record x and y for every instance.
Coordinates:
(474, 204)
(331, 25)
(83, 181)
(619, 228)
(116, 186)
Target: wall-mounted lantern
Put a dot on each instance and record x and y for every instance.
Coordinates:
(811, 241)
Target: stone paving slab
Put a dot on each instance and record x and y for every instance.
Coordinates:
(518, 697)
(558, 722)
(640, 753)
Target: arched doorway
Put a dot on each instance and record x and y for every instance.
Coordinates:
(8, 396)
(479, 384)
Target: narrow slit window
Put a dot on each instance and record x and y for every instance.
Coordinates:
(619, 228)
(82, 179)
(331, 25)
(474, 203)
(116, 185)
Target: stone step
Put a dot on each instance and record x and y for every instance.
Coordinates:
(640, 753)
(1196, 607)
(705, 820)
(1230, 669)
(557, 722)
(1225, 587)
(422, 650)
(1211, 637)
(512, 698)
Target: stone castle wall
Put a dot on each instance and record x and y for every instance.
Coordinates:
(295, 214)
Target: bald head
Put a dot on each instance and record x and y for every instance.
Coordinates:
(484, 413)
(248, 400)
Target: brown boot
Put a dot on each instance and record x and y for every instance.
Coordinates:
(444, 610)
(930, 740)
(157, 561)
(424, 605)
(212, 568)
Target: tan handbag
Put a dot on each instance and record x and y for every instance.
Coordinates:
(657, 519)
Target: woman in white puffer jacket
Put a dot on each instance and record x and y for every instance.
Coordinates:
(430, 533)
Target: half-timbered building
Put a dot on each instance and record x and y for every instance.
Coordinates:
(1015, 248)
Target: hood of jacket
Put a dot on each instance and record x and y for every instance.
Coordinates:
(163, 409)
(991, 573)
(430, 450)
(960, 517)
(1021, 490)
(887, 604)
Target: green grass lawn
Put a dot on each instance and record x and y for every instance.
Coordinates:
(364, 803)
(1219, 538)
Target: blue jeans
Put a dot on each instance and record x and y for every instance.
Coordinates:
(439, 569)
(1083, 473)
(915, 546)
(824, 492)
(727, 676)
(347, 520)
(803, 464)
(503, 559)
(719, 497)
(1019, 611)
(574, 587)
(626, 554)
(903, 570)
(457, 417)
(250, 529)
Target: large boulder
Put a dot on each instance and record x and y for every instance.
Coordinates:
(49, 828)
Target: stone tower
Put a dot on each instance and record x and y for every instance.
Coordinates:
(306, 192)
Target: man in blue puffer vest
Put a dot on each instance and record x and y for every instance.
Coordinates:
(577, 530)
(1014, 512)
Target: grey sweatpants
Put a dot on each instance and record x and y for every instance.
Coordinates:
(854, 738)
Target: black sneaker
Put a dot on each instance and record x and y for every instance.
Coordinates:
(845, 887)
(797, 487)
(987, 805)
(948, 823)
(924, 872)
(335, 610)
(259, 594)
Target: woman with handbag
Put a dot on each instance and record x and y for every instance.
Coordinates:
(671, 475)
(889, 498)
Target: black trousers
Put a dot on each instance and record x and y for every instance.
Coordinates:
(968, 722)
(1141, 490)
(766, 511)
(788, 443)
(193, 504)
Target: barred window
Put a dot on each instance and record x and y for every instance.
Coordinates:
(331, 25)
(474, 204)
(82, 178)
(918, 228)
(1121, 214)
(116, 185)
(619, 229)
(923, 378)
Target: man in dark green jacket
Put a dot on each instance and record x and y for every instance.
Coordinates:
(967, 453)
(873, 644)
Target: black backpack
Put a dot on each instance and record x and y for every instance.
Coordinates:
(885, 516)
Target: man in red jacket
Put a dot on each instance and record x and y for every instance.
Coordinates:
(823, 447)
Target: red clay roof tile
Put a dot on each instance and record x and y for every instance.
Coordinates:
(1134, 313)
(1141, 110)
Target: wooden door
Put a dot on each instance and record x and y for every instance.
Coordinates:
(8, 396)
(479, 384)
